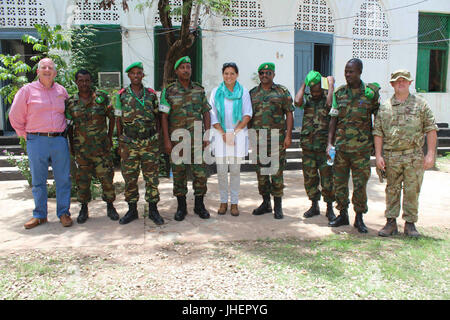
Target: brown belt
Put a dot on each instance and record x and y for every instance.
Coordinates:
(47, 134)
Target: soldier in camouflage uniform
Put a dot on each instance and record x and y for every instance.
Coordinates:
(313, 140)
(90, 142)
(137, 129)
(351, 127)
(399, 131)
(184, 104)
(272, 109)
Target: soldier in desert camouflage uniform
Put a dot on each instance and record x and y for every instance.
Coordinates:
(137, 129)
(183, 103)
(90, 142)
(351, 127)
(399, 131)
(313, 140)
(272, 109)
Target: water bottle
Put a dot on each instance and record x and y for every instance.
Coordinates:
(332, 153)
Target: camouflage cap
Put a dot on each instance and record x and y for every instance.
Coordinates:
(402, 73)
(135, 65)
(312, 78)
(185, 59)
(267, 66)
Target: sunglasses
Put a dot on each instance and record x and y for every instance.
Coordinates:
(269, 73)
(229, 64)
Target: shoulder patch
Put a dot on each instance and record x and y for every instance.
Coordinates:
(374, 86)
(151, 91)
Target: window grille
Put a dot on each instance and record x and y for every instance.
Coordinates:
(176, 19)
(247, 13)
(89, 12)
(314, 15)
(370, 32)
(22, 13)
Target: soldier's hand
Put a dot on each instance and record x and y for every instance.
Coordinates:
(330, 80)
(428, 162)
(287, 142)
(380, 163)
(168, 147)
(328, 151)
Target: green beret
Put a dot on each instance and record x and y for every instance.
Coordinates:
(267, 66)
(185, 59)
(313, 78)
(135, 65)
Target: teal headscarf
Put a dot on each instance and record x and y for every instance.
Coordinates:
(236, 96)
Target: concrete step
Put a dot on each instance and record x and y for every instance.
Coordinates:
(9, 140)
(4, 162)
(14, 149)
(444, 142)
(443, 132)
(13, 173)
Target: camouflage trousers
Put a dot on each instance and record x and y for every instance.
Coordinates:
(199, 177)
(403, 171)
(95, 166)
(271, 184)
(315, 170)
(137, 155)
(359, 164)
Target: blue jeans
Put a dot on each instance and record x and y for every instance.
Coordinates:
(42, 152)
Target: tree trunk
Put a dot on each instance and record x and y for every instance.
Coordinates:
(177, 48)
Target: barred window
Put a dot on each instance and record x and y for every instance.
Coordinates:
(314, 15)
(432, 52)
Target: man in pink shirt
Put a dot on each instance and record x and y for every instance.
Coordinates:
(37, 114)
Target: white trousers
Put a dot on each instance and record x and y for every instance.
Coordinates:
(234, 164)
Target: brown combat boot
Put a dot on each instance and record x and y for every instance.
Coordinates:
(223, 208)
(410, 230)
(389, 229)
(234, 210)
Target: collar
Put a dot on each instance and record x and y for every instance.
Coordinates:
(395, 102)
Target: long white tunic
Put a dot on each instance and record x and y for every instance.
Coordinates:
(220, 148)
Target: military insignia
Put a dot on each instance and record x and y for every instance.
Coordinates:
(266, 66)
(334, 112)
(99, 99)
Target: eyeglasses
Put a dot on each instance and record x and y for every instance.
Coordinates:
(229, 64)
(269, 73)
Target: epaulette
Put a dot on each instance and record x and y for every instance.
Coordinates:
(198, 84)
(340, 87)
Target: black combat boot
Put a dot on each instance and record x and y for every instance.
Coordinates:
(153, 214)
(199, 208)
(313, 211)
(359, 223)
(330, 212)
(111, 211)
(131, 215)
(265, 207)
(341, 220)
(83, 215)
(389, 229)
(181, 209)
(278, 210)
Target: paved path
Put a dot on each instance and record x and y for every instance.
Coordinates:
(16, 205)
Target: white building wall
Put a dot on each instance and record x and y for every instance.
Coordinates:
(252, 46)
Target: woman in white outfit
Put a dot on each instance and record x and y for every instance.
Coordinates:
(231, 111)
